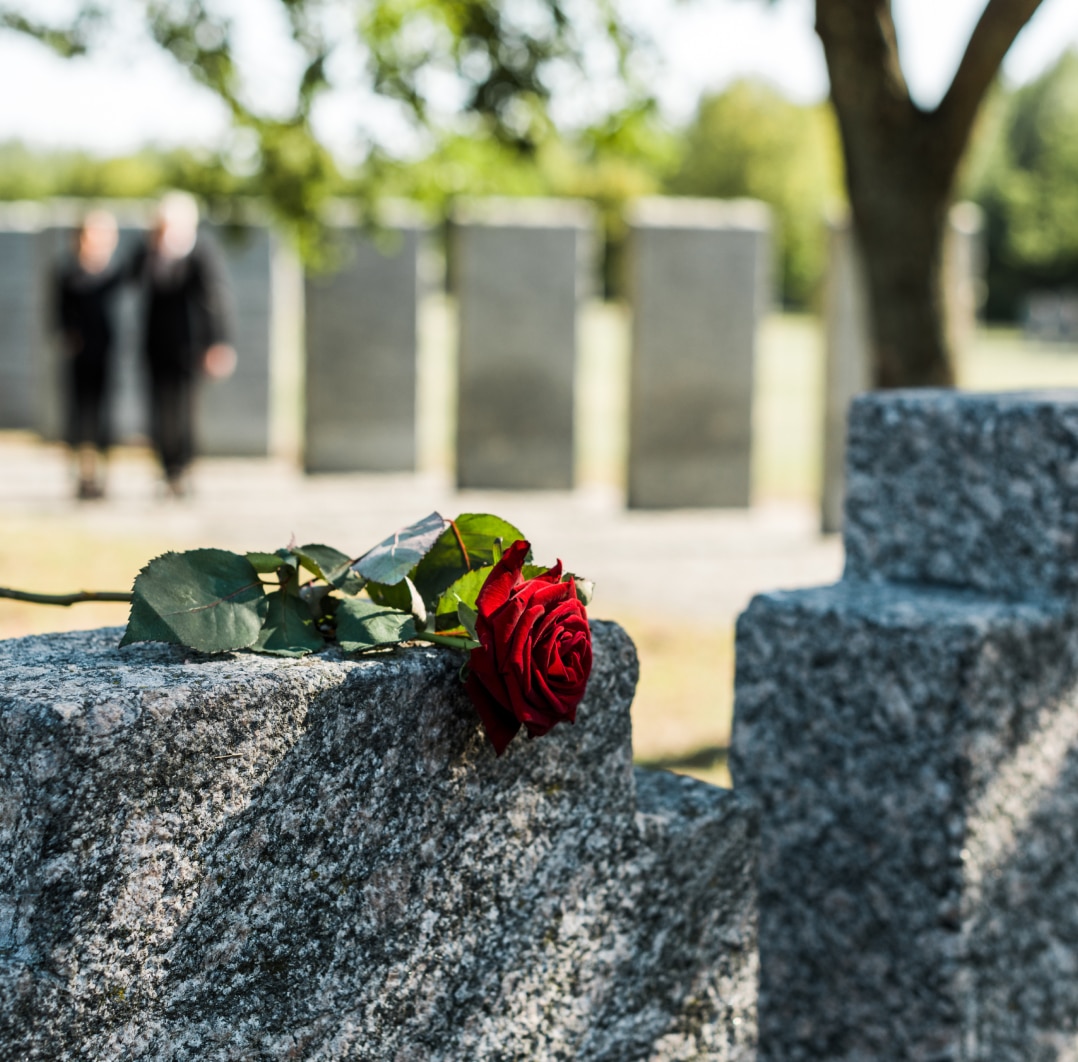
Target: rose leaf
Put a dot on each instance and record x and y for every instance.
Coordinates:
(289, 629)
(364, 624)
(206, 599)
(392, 559)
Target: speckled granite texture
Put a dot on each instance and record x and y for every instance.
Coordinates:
(913, 750)
(240, 857)
(968, 490)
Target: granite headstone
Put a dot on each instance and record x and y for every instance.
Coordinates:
(361, 324)
(520, 267)
(699, 284)
(211, 858)
(911, 738)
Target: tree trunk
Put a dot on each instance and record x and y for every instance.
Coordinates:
(901, 163)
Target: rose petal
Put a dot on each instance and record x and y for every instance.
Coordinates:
(503, 577)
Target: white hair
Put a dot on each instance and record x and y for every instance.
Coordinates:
(177, 215)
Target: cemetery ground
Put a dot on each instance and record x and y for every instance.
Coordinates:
(682, 621)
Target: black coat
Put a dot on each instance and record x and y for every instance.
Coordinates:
(82, 311)
(185, 307)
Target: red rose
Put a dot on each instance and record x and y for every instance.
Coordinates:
(534, 657)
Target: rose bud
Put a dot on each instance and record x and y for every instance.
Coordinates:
(532, 664)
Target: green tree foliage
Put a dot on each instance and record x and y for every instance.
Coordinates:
(751, 141)
(1028, 187)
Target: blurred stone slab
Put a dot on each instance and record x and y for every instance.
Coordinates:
(521, 268)
(236, 857)
(913, 748)
(20, 311)
(700, 284)
(257, 410)
(1051, 316)
(969, 490)
(847, 325)
(361, 325)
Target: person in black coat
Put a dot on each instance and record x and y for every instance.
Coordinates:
(185, 329)
(84, 291)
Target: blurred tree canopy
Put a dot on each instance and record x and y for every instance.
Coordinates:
(478, 80)
(482, 69)
(1027, 184)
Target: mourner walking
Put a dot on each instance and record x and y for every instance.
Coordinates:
(185, 329)
(84, 293)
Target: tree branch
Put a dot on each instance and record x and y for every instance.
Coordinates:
(999, 24)
(66, 41)
(65, 599)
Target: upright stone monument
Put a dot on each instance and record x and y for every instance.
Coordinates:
(257, 410)
(20, 311)
(521, 267)
(848, 370)
(240, 857)
(911, 738)
(699, 284)
(362, 342)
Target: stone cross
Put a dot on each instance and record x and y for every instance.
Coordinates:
(362, 345)
(911, 737)
(521, 268)
(241, 856)
(699, 285)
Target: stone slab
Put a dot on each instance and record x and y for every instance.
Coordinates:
(521, 268)
(19, 313)
(971, 490)
(361, 326)
(257, 410)
(244, 857)
(699, 285)
(914, 753)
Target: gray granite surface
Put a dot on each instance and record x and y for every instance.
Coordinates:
(970, 490)
(239, 857)
(699, 274)
(912, 752)
(361, 329)
(521, 269)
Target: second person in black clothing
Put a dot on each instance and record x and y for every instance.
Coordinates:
(185, 329)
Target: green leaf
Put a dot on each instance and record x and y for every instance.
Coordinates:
(462, 592)
(392, 559)
(465, 592)
(476, 541)
(450, 641)
(467, 616)
(397, 596)
(207, 599)
(332, 565)
(264, 563)
(363, 624)
(289, 629)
